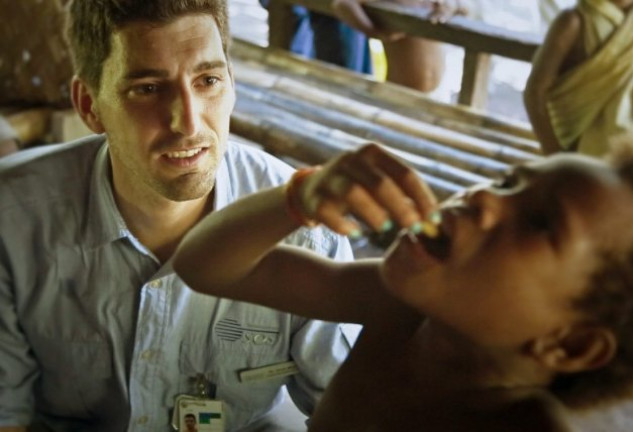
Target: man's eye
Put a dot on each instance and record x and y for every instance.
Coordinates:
(145, 89)
(209, 81)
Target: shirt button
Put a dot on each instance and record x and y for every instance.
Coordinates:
(147, 354)
(156, 283)
(142, 420)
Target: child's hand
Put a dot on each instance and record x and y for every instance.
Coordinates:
(443, 10)
(371, 185)
(351, 13)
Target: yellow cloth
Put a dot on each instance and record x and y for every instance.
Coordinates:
(591, 104)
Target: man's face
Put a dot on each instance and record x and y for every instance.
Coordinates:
(190, 423)
(515, 256)
(165, 102)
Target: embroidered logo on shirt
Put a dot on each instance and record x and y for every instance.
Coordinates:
(231, 330)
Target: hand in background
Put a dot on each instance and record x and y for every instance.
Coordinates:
(351, 12)
(444, 10)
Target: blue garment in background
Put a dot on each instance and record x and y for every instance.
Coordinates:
(326, 38)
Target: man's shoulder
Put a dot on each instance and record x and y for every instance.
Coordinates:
(53, 154)
(48, 171)
(247, 162)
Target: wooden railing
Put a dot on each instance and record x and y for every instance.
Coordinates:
(479, 40)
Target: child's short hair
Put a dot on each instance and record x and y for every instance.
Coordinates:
(609, 302)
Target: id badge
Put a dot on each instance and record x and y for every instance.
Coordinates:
(199, 415)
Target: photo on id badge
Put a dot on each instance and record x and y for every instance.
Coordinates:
(200, 415)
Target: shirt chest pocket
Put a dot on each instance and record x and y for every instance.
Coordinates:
(75, 376)
(222, 361)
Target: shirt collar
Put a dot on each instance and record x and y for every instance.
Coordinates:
(223, 191)
(104, 223)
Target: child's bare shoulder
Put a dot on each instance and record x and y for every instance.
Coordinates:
(563, 42)
(535, 411)
(568, 23)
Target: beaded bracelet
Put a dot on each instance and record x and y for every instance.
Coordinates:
(293, 203)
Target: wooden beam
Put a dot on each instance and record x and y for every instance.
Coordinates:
(474, 90)
(462, 31)
(30, 125)
(280, 30)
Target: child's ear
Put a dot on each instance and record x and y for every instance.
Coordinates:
(83, 101)
(574, 349)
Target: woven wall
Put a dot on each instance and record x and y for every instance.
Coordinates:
(35, 66)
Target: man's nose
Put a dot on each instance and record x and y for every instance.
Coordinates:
(185, 112)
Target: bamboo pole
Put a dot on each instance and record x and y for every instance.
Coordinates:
(385, 93)
(278, 77)
(292, 91)
(306, 135)
(369, 131)
(309, 149)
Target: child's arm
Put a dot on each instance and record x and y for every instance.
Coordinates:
(232, 252)
(547, 65)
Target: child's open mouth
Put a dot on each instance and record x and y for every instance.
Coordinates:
(439, 246)
(434, 239)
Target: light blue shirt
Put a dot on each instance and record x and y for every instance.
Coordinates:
(96, 334)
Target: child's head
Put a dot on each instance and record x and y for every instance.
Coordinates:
(608, 300)
(540, 264)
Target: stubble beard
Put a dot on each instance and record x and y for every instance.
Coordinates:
(190, 187)
(184, 188)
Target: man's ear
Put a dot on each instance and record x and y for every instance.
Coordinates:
(83, 101)
(574, 349)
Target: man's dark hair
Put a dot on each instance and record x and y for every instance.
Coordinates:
(607, 302)
(91, 24)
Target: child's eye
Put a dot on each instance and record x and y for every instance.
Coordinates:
(538, 222)
(506, 181)
(542, 224)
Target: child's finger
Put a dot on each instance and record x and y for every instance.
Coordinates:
(364, 207)
(349, 194)
(351, 12)
(387, 195)
(405, 178)
(330, 213)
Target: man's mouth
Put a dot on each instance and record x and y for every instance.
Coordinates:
(183, 154)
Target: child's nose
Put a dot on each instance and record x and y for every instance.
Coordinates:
(489, 206)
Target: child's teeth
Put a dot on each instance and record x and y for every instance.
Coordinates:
(430, 230)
